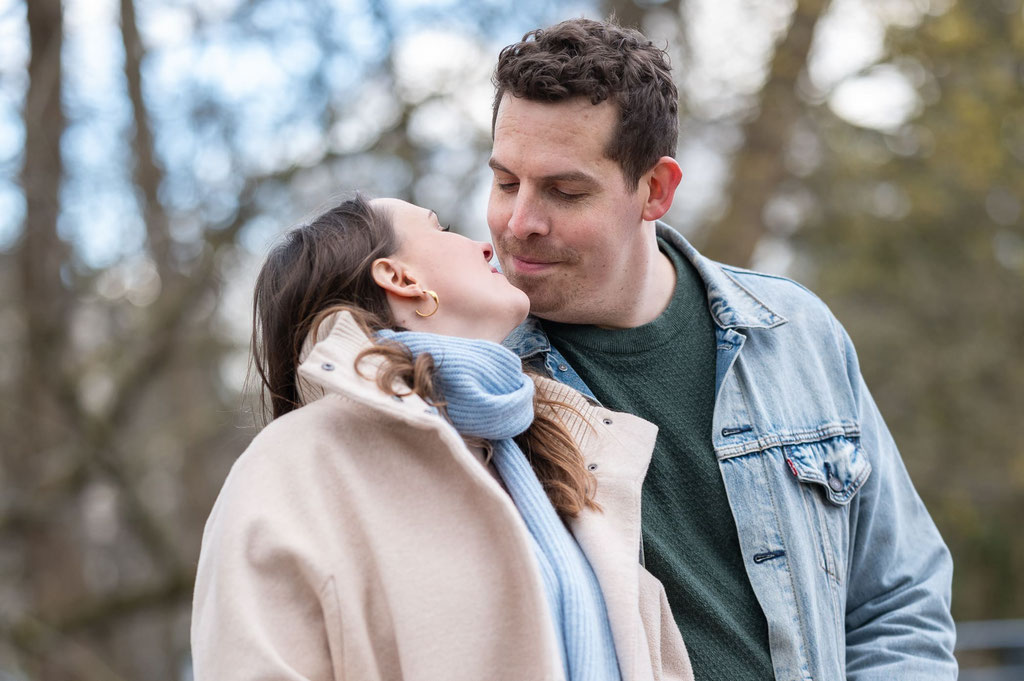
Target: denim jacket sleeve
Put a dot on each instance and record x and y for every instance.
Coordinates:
(898, 621)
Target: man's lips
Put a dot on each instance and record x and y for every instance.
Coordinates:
(521, 264)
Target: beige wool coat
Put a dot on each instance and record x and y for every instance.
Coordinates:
(358, 537)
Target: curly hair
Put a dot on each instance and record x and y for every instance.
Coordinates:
(600, 61)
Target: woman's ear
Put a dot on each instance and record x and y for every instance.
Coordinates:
(393, 276)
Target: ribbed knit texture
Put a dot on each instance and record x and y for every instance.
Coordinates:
(664, 371)
(487, 395)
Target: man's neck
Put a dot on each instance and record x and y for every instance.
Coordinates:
(649, 296)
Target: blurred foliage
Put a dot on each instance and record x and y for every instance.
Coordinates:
(159, 147)
(917, 243)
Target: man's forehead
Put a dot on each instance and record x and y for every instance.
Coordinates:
(560, 135)
(573, 122)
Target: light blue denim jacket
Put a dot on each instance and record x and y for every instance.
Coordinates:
(849, 568)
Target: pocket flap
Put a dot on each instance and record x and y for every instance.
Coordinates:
(837, 464)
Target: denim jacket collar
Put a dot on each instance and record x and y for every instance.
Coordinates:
(731, 304)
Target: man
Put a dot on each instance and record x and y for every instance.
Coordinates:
(776, 510)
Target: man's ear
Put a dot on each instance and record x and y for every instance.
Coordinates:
(393, 276)
(662, 181)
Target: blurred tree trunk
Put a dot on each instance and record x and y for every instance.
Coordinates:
(48, 402)
(759, 167)
(41, 252)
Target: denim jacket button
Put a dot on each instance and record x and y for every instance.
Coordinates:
(835, 483)
(562, 367)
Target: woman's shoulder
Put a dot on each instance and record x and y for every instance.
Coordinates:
(329, 437)
(283, 478)
(287, 452)
(297, 431)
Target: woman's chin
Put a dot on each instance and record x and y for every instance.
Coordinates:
(517, 315)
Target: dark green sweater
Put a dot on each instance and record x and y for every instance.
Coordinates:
(664, 371)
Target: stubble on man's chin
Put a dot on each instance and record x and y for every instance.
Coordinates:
(552, 294)
(549, 300)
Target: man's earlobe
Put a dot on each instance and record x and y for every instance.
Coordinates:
(662, 181)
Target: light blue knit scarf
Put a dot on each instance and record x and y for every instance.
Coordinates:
(488, 395)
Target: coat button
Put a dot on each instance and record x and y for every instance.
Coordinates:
(327, 366)
(607, 422)
(592, 467)
(835, 483)
(562, 367)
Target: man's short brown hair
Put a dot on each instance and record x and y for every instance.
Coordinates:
(599, 60)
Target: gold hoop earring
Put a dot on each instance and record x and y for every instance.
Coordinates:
(437, 304)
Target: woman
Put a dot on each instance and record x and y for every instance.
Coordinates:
(388, 523)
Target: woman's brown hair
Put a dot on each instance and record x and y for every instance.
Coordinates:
(324, 267)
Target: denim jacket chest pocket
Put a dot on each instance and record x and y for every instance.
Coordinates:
(829, 473)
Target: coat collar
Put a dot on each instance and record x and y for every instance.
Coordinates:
(327, 366)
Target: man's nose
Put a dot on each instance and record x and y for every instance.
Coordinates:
(527, 218)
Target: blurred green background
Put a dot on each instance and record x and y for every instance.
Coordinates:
(150, 151)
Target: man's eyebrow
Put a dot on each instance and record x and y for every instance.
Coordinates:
(568, 176)
(497, 166)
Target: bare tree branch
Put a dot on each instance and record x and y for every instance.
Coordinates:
(148, 174)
